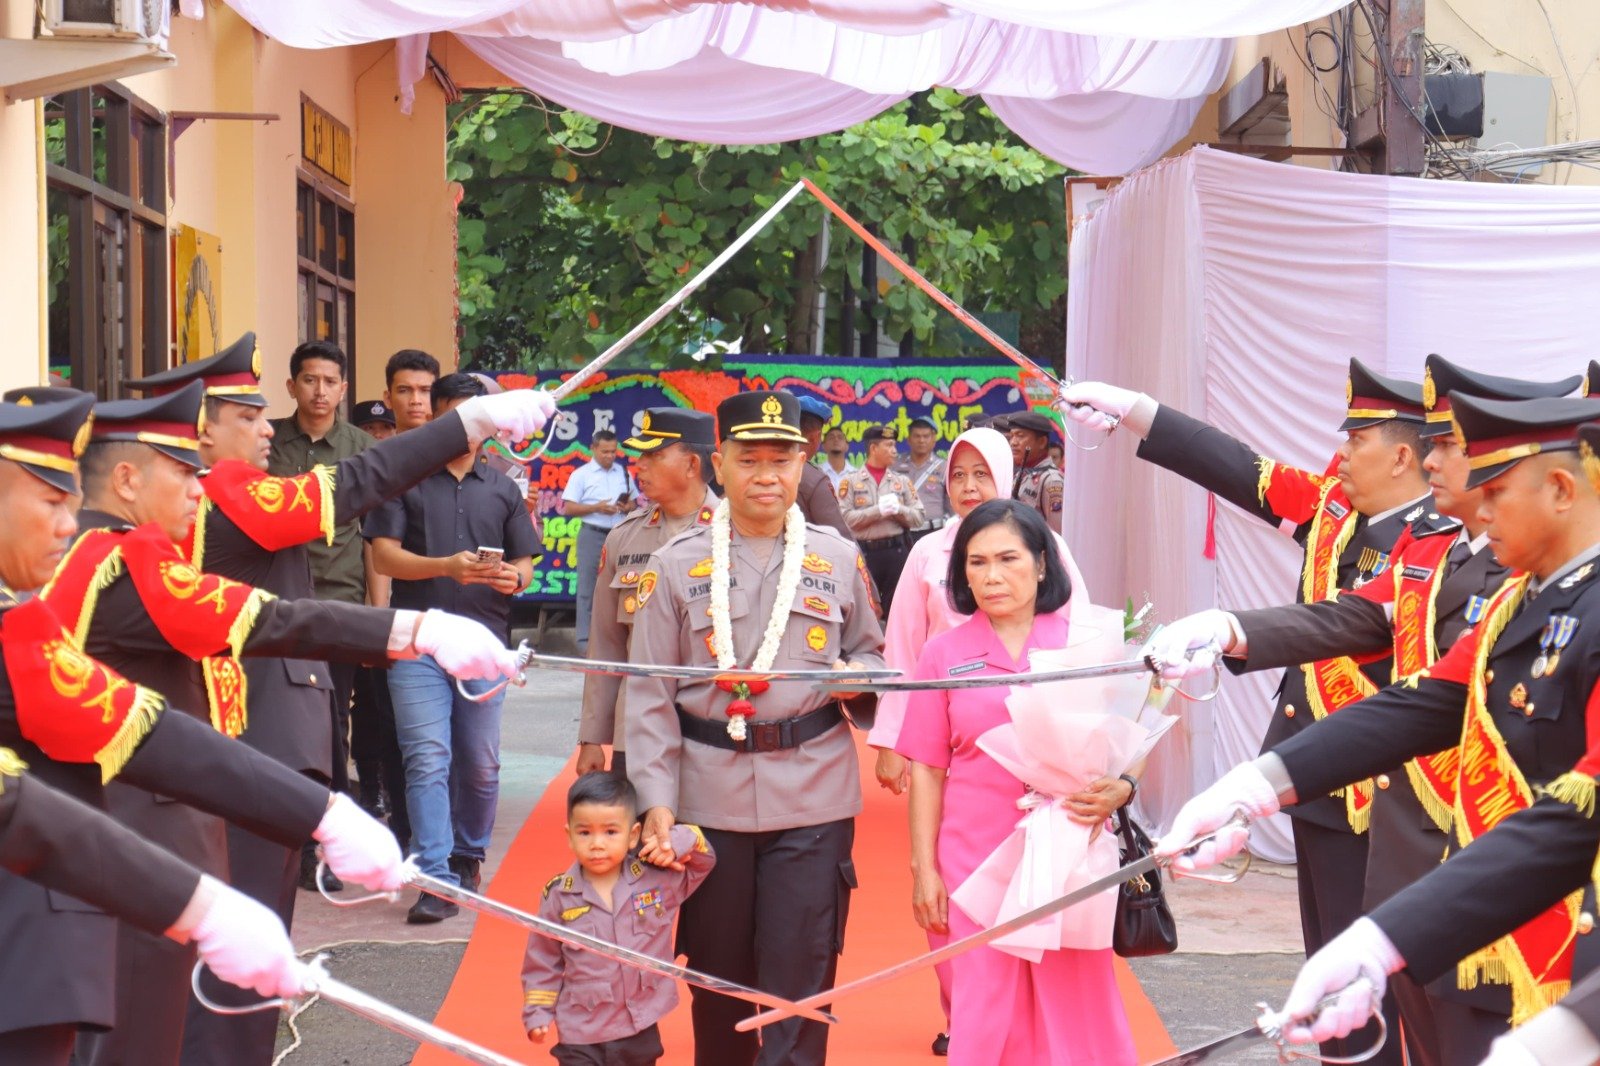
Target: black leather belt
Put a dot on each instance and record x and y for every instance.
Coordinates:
(761, 736)
(882, 543)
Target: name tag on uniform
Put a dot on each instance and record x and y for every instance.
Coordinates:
(967, 668)
(1417, 573)
(1337, 509)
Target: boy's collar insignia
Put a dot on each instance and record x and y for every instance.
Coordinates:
(635, 869)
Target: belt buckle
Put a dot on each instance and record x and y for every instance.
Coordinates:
(766, 736)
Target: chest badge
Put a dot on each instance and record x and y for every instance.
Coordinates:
(1474, 609)
(701, 569)
(645, 901)
(630, 603)
(816, 564)
(1556, 635)
(572, 914)
(816, 638)
(1519, 696)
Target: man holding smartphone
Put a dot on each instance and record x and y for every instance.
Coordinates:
(600, 493)
(459, 540)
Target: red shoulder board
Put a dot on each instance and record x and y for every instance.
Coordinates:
(93, 562)
(75, 709)
(1292, 494)
(275, 512)
(199, 614)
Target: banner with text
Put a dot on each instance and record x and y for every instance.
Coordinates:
(862, 392)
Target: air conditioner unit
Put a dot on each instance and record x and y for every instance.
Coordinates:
(148, 20)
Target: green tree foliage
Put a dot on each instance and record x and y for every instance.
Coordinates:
(572, 230)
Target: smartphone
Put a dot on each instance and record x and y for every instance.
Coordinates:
(490, 555)
(623, 498)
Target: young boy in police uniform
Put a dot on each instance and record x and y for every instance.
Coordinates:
(605, 1012)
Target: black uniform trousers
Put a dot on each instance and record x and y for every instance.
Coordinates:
(885, 564)
(1332, 865)
(771, 914)
(641, 1049)
(375, 746)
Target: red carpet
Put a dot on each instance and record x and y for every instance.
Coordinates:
(891, 1025)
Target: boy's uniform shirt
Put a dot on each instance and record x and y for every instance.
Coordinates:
(592, 998)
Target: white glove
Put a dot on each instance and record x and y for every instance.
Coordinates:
(1510, 1051)
(245, 944)
(1096, 404)
(1190, 646)
(464, 648)
(1244, 788)
(516, 414)
(889, 506)
(1354, 969)
(357, 847)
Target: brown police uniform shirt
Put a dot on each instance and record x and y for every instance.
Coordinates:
(1041, 487)
(625, 556)
(928, 481)
(831, 619)
(858, 499)
(593, 998)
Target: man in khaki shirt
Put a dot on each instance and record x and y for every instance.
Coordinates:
(674, 446)
(880, 505)
(778, 807)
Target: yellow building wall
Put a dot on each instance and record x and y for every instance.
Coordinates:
(236, 179)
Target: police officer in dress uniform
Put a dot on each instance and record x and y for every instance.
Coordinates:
(1514, 691)
(77, 723)
(674, 447)
(926, 475)
(879, 505)
(146, 612)
(779, 806)
(1040, 484)
(68, 847)
(253, 528)
(1437, 581)
(1348, 520)
(818, 500)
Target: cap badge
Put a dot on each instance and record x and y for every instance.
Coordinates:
(81, 441)
(255, 362)
(1430, 394)
(24, 401)
(378, 408)
(1349, 391)
(644, 423)
(772, 411)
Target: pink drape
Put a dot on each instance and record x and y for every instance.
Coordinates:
(1238, 290)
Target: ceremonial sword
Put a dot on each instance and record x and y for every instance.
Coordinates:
(1269, 1026)
(527, 659)
(831, 683)
(356, 1001)
(995, 932)
(555, 931)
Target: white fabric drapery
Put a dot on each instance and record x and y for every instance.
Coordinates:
(1084, 81)
(1237, 291)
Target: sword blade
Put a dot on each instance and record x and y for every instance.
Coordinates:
(852, 678)
(1213, 1051)
(390, 1017)
(1038, 677)
(627, 956)
(982, 936)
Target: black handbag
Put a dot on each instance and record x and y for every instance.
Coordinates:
(1144, 924)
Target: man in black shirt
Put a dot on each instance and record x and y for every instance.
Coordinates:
(431, 542)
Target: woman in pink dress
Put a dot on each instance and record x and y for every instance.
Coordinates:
(1064, 1010)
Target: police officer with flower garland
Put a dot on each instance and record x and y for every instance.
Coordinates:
(674, 447)
(769, 773)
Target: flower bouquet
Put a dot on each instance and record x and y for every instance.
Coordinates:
(1062, 736)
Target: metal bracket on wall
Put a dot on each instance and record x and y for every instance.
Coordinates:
(180, 121)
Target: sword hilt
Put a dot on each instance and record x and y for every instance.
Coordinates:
(391, 897)
(519, 679)
(1274, 1024)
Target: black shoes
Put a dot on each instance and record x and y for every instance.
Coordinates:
(467, 871)
(429, 909)
(308, 872)
(941, 1045)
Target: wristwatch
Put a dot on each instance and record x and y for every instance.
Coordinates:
(1133, 785)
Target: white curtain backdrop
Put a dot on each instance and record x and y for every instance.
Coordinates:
(1087, 82)
(1238, 290)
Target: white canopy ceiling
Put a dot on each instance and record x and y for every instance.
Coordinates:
(1104, 86)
